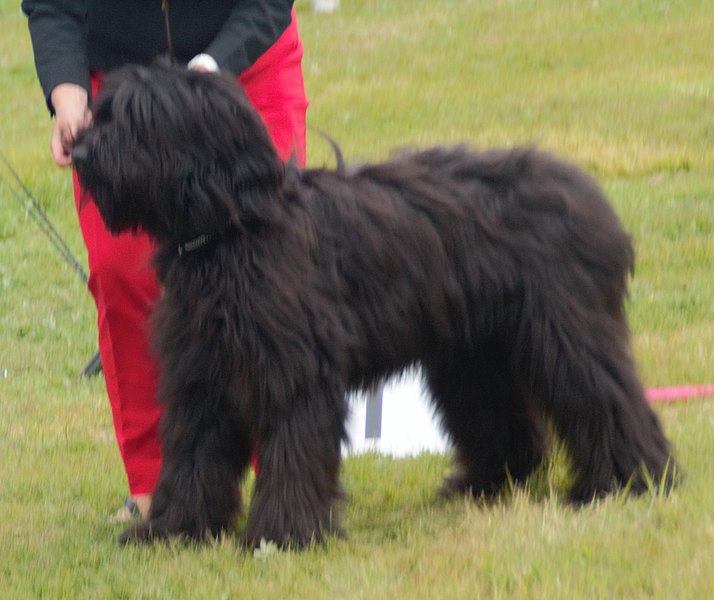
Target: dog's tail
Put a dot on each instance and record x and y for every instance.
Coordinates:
(339, 158)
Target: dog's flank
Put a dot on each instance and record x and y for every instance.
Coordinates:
(502, 273)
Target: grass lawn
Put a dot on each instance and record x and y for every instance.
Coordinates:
(624, 88)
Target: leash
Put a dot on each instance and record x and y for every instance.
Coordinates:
(33, 208)
(167, 26)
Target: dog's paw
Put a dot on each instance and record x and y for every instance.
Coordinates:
(292, 538)
(146, 532)
(282, 541)
(137, 533)
(157, 530)
(454, 485)
(458, 485)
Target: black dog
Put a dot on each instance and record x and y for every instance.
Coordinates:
(503, 274)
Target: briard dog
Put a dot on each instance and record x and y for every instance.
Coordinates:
(502, 274)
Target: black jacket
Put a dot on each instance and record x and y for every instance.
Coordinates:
(70, 38)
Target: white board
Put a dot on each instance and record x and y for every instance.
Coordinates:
(408, 423)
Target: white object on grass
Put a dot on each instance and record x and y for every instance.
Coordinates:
(408, 425)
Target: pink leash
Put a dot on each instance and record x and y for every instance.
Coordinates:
(679, 392)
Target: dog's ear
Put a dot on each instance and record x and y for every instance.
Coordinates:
(236, 163)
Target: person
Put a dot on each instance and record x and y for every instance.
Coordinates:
(74, 44)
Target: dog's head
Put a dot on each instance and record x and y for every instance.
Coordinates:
(172, 151)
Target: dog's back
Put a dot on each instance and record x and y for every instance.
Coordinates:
(525, 207)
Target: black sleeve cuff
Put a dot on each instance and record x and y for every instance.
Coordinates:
(251, 29)
(58, 40)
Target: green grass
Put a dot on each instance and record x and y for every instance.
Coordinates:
(624, 88)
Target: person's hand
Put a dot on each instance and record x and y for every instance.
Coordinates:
(72, 115)
(203, 63)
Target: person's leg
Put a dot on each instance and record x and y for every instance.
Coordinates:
(124, 289)
(275, 87)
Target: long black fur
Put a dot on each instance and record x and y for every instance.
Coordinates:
(502, 273)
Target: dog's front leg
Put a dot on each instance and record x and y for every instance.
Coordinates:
(298, 479)
(206, 449)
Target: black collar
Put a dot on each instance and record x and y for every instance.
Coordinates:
(195, 243)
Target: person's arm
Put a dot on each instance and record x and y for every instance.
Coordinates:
(252, 27)
(57, 29)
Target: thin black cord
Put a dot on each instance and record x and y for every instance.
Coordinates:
(167, 25)
(27, 201)
(25, 198)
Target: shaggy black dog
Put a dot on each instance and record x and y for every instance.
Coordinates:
(503, 274)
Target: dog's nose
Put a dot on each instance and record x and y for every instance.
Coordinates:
(79, 153)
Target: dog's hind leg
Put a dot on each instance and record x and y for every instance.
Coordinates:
(587, 384)
(495, 430)
(206, 449)
(297, 485)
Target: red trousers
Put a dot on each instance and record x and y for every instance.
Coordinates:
(125, 288)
